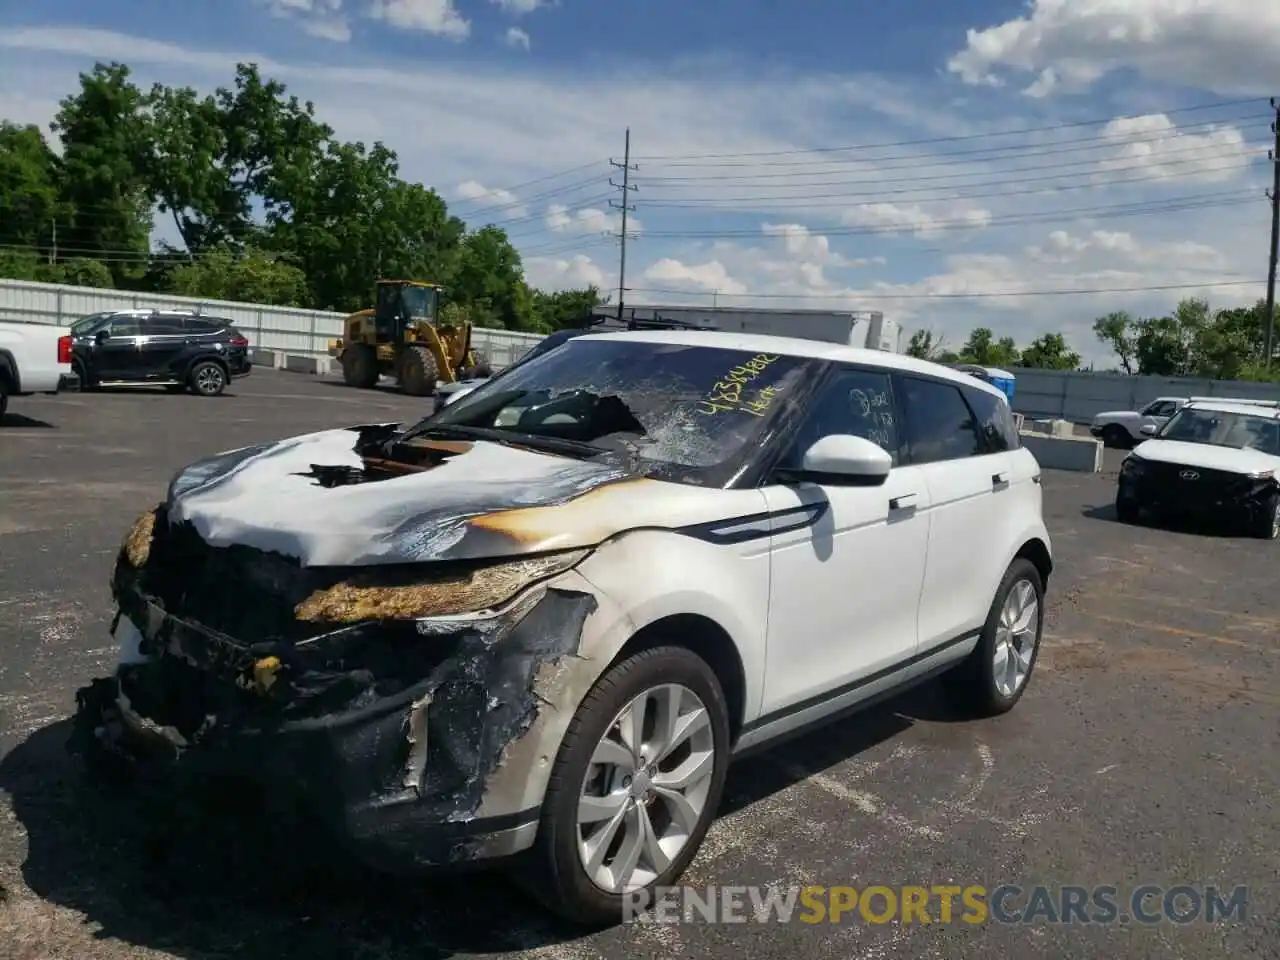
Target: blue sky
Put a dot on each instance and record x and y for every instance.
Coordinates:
(1121, 178)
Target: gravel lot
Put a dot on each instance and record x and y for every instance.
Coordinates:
(1145, 751)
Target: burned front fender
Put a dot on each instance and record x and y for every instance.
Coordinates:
(422, 740)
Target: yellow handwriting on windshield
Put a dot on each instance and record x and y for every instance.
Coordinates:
(733, 392)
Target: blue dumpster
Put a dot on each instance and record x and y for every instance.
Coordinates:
(1002, 380)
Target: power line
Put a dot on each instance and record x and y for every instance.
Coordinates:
(1044, 128)
(984, 295)
(1105, 211)
(911, 194)
(1096, 142)
(944, 162)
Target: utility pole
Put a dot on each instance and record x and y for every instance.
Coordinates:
(53, 253)
(626, 187)
(1274, 196)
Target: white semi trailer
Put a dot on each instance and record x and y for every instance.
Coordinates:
(867, 328)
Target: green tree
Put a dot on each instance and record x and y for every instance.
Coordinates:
(1050, 352)
(105, 143)
(1118, 331)
(29, 175)
(983, 348)
(564, 308)
(490, 276)
(252, 276)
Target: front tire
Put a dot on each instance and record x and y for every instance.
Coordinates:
(1266, 524)
(636, 784)
(993, 678)
(418, 372)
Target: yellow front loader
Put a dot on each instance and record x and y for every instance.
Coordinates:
(402, 338)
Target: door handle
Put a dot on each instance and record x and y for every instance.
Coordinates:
(903, 502)
(997, 479)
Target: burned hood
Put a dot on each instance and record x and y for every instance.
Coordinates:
(312, 498)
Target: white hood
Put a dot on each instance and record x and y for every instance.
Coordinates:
(1207, 457)
(472, 500)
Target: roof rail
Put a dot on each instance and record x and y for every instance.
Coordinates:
(1247, 401)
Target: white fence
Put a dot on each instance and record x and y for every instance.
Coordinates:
(1064, 395)
(282, 329)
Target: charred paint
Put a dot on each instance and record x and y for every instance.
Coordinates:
(137, 544)
(369, 597)
(384, 726)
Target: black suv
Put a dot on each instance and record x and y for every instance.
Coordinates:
(175, 349)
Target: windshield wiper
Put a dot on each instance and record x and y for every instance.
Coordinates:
(569, 448)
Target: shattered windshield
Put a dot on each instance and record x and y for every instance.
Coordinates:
(1239, 430)
(673, 404)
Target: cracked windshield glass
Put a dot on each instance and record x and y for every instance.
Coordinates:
(689, 406)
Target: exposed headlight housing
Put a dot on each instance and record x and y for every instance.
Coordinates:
(1132, 464)
(202, 471)
(376, 594)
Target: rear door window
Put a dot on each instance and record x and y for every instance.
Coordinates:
(940, 425)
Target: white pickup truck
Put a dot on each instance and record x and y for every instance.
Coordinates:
(34, 358)
(1123, 428)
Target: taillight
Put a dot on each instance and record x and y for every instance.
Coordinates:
(239, 342)
(64, 349)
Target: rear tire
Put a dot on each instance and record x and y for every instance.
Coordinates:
(4, 398)
(588, 775)
(993, 678)
(207, 379)
(360, 366)
(1116, 437)
(418, 372)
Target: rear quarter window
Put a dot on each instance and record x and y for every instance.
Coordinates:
(995, 421)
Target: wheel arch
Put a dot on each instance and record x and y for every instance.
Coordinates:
(711, 642)
(1037, 551)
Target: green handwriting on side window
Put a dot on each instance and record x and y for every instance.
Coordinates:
(733, 393)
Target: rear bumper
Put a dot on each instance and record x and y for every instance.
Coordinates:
(68, 382)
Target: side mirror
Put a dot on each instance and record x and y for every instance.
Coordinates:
(846, 459)
(103, 336)
(1149, 429)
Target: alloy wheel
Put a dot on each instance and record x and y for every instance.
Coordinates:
(209, 379)
(1016, 637)
(646, 788)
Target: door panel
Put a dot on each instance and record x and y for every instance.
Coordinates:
(118, 356)
(844, 588)
(966, 484)
(163, 342)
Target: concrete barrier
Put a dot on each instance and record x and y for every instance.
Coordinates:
(1081, 454)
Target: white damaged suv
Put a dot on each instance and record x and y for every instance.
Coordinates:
(538, 625)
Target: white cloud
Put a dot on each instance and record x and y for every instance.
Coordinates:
(1228, 46)
(851, 227)
(439, 17)
(515, 37)
(709, 277)
(480, 195)
(573, 273)
(520, 7)
(319, 18)
(1219, 153)
(562, 219)
(926, 220)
